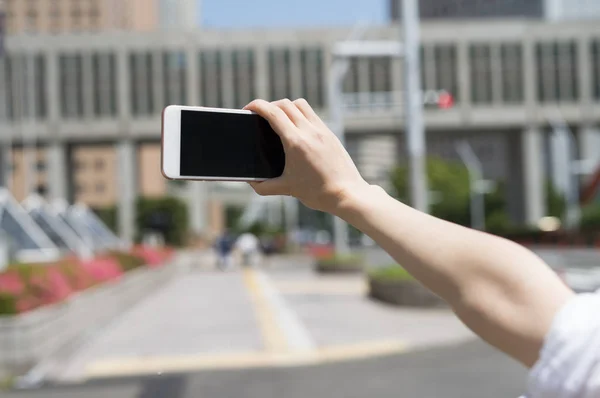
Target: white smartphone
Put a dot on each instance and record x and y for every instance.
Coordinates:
(213, 144)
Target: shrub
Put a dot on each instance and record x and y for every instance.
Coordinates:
(590, 217)
(392, 273)
(152, 256)
(127, 261)
(350, 260)
(168, 216)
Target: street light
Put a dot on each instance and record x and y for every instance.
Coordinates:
(340, 65)
(478, 187)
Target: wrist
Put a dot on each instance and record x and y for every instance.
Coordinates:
(357, 199)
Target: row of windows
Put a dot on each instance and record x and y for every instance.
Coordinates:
(228, 78)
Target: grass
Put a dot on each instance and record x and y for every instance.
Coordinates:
(350, 260)
(392, 273)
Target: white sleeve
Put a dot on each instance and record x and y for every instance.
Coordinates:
(569, 364)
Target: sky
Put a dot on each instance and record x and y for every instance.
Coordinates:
(289, 13)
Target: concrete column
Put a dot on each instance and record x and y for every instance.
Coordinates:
(530, 78)
(589, 145)
(585, 74)
(227, 78)
(464, 76)
(533, 175)
(5, 164)
(57, 169)
(90, 96)
(397, 82)
(197, 191)
(261, 70)
(126, 177)
(3, 96)
(123, 89)
(364, 78)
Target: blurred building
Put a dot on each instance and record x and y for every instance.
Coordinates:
(553, 10)
(62, 16)
(181, 15)
(97, 100)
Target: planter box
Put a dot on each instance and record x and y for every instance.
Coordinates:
(341, 268)
(404, 293)
(28, 338)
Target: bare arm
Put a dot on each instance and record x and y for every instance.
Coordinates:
(500, 290)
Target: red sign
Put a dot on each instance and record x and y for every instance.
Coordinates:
(445, 101)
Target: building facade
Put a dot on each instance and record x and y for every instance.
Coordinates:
(508, 79)
(551, 10)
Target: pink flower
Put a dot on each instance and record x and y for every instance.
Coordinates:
(103, 269)
(11, 283)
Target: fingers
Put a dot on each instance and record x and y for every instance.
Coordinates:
(303, 106)
(290, 109)
(275, 186)
(276, 117)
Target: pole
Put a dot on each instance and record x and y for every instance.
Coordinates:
(336, 120)
(476, 192)
(415, 133)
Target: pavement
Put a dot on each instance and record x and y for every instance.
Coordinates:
(282, 330)
(280, 314)
(470, 370)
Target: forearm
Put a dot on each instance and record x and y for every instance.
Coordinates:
(502, 291)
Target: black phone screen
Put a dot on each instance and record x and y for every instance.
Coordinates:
(216, 144)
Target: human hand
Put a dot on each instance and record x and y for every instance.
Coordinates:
(318, 170)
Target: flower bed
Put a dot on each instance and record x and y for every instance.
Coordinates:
(394, 285)
(25, 287)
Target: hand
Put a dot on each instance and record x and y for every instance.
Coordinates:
(318, 170)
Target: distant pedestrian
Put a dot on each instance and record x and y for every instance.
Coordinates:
(249, 246)
(224, 246)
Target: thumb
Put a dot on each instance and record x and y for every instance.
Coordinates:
(275, 186)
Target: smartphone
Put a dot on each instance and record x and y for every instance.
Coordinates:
(214, 144)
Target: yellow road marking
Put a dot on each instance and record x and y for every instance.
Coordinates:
(272, 334)
(168, 365)
(323, 287)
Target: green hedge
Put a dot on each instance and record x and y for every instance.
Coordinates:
(177, 218)
(127, 261)
(350, 260)
(392, 273)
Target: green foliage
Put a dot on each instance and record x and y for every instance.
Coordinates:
(8, 304)
(556, 202)
(392, 273)
(108, 215)
(127, 261)
(590, 217)
(451, 181)
(175, 211)
(350, 260)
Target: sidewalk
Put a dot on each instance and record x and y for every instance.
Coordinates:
(283, 314)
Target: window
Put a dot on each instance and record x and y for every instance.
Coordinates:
(481, 74)
(79, 165)
(211, 78)
(351, 83)
(31, 21)
(511, 56)
(42, 189)
(446, 69)
(94, 17)
(280, 81)
(595, 49)
(99, 164)
(104, 84)
(313, 82)
(557, 67)
(40, 165)
(100, 187)
(243, 77)
(79, 188)
(174, 78)
(141, 72)
(71, 85)
(380, 74)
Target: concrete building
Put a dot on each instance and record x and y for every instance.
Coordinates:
(181, 15)
(507, 78)
(552, 10)
(65, 16)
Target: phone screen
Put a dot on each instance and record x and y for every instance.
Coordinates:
(215, 144)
